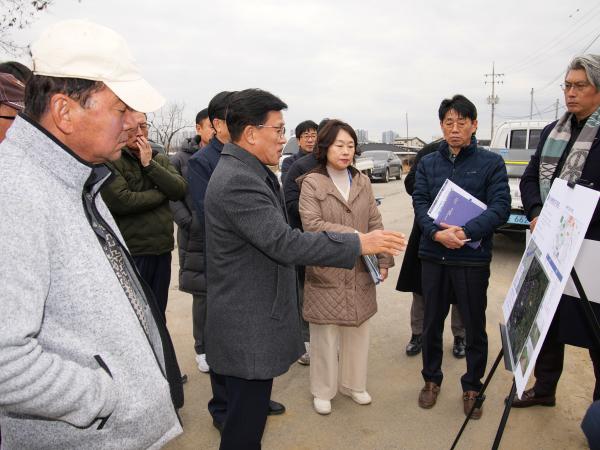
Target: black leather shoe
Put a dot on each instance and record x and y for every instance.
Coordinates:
(275, 408)
(218, 426)
(530, 398)
(458, 349)
(415, 345)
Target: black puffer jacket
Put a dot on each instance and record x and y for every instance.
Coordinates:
(190, 232)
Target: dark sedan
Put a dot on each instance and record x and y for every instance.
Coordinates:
(386, 164)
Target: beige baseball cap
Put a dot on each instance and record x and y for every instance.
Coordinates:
(83, 49)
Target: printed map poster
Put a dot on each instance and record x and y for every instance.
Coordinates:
(543, 273)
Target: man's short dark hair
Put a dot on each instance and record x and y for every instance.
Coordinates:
(40, 89)
(201, 116)
(20, 71)
(305, 126)
(250, 107)
(322, 123)
(217, 107)
(327, 136)
(459, 103)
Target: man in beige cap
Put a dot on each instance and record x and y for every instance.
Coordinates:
(12, 92)
(85, 357)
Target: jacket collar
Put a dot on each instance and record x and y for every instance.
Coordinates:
(444, 149)
(248, 158)
(216, 144)
(45, 149)
(358, 184)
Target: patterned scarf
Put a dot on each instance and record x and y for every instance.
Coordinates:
(555, 146)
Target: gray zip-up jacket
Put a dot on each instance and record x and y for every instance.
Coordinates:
(77, 370)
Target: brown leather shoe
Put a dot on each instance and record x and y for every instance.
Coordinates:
(531, 399)
(428, 395)
(469, 398)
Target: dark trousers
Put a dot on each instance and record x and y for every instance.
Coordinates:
(591, 426)
(300, 271)
(247, 406)
(549, 367)
(156, 272)
(199, 322)
(468, 285)
(217, 405)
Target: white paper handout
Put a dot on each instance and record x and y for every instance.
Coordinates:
(543, 273)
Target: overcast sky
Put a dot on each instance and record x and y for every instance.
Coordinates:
(366, 62)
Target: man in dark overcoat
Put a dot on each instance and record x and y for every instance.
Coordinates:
(253, 327)
(570, 149)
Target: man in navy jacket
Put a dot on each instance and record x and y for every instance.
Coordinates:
(450, 268)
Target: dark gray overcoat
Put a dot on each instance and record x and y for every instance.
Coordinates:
(253, 325)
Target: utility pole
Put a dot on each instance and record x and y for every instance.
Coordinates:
(531, 106)
(493, 99)
(407, 125)
(556, 110)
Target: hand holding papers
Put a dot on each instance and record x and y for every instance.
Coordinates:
(455, 206)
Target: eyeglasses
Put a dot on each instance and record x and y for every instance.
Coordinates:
(280, 130)
(577, 86)
(460, 124)
(8, 117)
(308, 135)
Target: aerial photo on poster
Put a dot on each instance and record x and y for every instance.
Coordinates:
(543, 273)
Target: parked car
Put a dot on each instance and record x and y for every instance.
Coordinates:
(386, 164)
(290, 148)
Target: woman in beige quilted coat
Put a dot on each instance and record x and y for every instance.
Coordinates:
(338, 303)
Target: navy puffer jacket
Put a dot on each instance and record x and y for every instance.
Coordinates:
(479, 172)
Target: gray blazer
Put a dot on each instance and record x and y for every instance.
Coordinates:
(253, 325)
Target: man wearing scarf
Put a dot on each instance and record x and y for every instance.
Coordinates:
(569, 149)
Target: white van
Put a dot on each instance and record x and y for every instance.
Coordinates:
(516, 141)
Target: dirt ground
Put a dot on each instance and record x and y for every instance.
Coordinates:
(393, 420)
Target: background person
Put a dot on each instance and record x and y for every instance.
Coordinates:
(190, 237)
(138, 197)
(338, 303)
(12, 92)
(569, 149)
(306, 135)
(409, 279)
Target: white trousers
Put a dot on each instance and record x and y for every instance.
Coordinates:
(327, 371)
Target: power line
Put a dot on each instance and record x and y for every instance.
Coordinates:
(555, 79)
(569, 29)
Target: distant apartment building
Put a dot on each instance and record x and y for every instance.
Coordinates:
(409, 142)
(387, 137)
(363, 136)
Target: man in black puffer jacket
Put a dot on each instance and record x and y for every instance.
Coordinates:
(451, 269)
(190, 236)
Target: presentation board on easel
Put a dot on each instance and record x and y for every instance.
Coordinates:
(543, 273)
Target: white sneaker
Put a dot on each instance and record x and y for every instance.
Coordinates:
(322, 406)
(362, 398)
(202, 364)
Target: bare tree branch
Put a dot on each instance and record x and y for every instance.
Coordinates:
(167, 122)
(18, 15)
